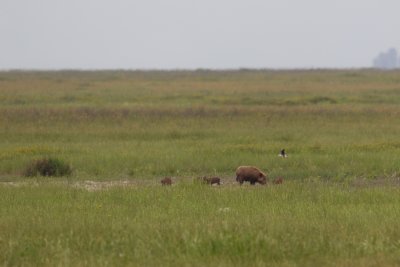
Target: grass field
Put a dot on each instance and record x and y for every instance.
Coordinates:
(114, 125)
(339, 204)
(312, 224)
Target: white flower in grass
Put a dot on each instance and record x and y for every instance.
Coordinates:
(226, 209)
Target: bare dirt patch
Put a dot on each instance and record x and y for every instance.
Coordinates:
(103, 185)
(377, 182)
(18, 184)
(93, 185)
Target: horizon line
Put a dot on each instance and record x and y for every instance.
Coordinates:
(189, 69)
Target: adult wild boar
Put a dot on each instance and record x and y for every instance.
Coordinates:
(250, 174)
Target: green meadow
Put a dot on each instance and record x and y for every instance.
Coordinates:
(294, 224)
(125, 130)
(140, 125)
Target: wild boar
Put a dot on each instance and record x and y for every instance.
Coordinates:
(278, 180)
(212, 180)
(250, 174)
(166, 181)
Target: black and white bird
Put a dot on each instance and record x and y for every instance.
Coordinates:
(283, 154)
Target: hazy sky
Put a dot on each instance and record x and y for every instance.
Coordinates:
(132, 34)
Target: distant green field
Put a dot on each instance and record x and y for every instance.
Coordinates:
(122, 131)
(141, 125)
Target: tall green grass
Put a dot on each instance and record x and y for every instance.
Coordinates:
(121, 124)
(338, 206)
(295, 224)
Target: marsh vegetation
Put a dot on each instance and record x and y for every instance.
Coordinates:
(338, 204)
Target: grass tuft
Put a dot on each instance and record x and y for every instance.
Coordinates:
(47, 167)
